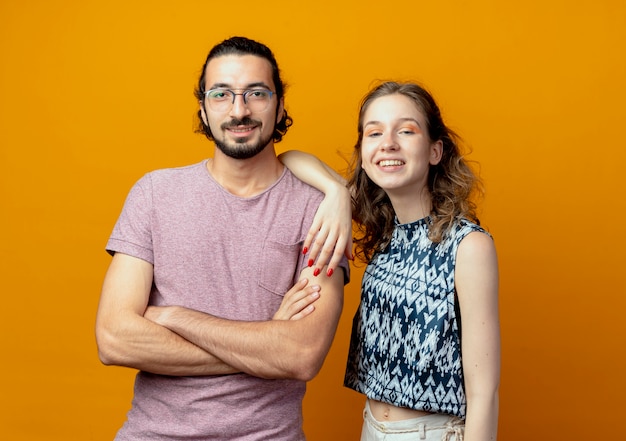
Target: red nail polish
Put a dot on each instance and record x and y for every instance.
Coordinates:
(316, 272)
(310, 262)
(304, 250)
(329, 272)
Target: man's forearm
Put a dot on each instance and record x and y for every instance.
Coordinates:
(269, 349)
(142, 344)
(274, 349)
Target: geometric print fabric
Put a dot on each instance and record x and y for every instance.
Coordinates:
(405, 347)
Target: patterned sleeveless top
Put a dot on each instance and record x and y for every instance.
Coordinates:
(405, 348)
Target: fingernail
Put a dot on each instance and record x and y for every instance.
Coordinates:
(304, 250)
(316, 272)
(310, 262)
(329, 272)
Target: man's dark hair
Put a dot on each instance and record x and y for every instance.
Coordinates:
(244, 46)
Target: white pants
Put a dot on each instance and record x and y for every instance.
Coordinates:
(435, 427)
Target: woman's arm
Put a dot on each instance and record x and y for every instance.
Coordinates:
(476, 276)
(330, 235)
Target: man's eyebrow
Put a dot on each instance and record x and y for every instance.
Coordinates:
(258, 84)
(249, 86)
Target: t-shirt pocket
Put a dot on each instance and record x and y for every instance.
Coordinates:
(279, 262)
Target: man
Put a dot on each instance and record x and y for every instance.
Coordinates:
(208, 293)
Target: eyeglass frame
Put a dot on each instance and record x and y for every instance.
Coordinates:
(243, 95)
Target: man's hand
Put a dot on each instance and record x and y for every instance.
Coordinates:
(297, 304)
(298, 301)
(292, 346)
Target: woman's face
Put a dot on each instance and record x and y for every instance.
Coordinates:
(396, 151)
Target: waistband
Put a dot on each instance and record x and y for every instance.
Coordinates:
(451, 425)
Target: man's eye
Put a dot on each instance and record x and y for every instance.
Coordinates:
(256, 94)
(219, 94)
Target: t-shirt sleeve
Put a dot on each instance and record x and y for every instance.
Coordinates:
(132, 233)
(345, 265)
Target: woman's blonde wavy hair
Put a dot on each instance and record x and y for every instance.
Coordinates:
(452, 184)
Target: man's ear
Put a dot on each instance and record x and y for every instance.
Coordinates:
(203, 114)
(281, 110)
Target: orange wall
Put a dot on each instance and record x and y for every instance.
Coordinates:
(94, 94)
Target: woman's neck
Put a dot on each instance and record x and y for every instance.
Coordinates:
(409, 208)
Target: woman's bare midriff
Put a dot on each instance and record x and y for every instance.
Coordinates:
(386, 412)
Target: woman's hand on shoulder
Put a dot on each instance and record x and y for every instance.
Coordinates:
(330, 235)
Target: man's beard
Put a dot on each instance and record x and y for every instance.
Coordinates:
(240, 149)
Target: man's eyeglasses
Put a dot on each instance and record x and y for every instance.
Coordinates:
(221, 100)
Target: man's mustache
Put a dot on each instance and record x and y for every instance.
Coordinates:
(247, 121)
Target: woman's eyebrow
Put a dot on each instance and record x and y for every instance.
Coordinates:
(374, 122)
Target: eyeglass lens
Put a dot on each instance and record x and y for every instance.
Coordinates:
(223, 99)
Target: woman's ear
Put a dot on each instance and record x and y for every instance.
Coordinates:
(436, 152)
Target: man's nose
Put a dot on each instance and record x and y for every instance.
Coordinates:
(240, 108)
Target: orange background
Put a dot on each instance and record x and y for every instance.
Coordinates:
(94, 94)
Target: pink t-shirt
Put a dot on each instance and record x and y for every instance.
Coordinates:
(228, 256)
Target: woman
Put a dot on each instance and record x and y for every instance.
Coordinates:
(430, 289)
